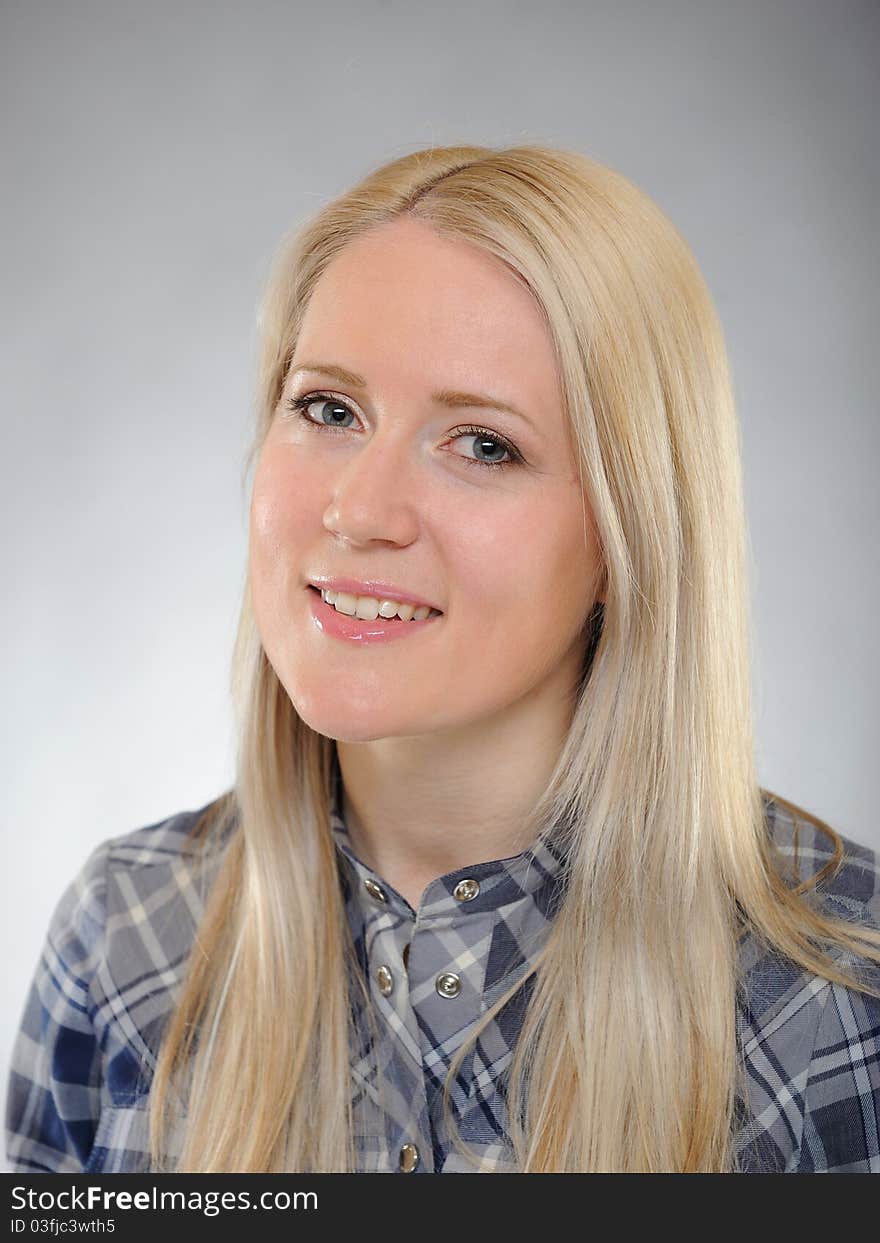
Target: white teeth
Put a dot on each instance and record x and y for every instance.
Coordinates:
(368, 608)
(344, 603)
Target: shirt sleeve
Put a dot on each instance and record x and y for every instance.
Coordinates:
(54, 1092)
(842, 1097)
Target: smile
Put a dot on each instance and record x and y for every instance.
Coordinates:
(405, 622)
(368, 608)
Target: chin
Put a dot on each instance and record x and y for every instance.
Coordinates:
(346, 731)
(343, 718)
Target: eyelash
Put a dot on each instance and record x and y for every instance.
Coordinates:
(301, 404)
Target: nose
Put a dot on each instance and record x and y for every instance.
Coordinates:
(372, 496)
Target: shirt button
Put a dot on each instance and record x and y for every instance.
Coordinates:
(406, 955)
(374, 890)
(466, 890)
(385, 980)
(409, 1158)
(448, 984)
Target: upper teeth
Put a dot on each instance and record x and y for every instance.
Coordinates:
(368, 608)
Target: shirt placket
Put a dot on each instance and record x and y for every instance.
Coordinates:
(396, 1107)
(446, 968)
(427, 982)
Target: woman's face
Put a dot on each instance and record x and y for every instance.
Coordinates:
(384, 484)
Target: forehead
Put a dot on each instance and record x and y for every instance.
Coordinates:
(403, 300)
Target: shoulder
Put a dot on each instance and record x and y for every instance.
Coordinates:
(148, 864)
(151, 886)
(810, 1055)
(112, 963)
(126, 881)
(807, 846)
(168, 865)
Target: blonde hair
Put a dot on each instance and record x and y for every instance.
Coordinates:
(627, 1059)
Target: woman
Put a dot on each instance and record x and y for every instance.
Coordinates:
(496, 886)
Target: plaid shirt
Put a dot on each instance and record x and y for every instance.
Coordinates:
(118, 941)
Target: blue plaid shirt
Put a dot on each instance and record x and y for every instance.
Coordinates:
(117, 945)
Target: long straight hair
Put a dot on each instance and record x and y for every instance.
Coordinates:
(627, 1059)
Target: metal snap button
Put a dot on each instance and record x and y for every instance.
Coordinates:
(374, 890)
(385, 980)
(409, 1158)
(466, 890)
(448, 984)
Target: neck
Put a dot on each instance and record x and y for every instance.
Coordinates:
(419, 807)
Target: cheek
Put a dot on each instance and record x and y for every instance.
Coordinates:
(283, 502)
(535, 565)
(283, 513)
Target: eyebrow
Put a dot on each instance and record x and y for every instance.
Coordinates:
(453, 398)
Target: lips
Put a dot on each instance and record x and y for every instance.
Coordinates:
(358, 631)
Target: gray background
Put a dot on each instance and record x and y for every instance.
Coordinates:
(152, 158)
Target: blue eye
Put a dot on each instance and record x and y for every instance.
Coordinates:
(484, 438)
(302, 404)
(338, 410)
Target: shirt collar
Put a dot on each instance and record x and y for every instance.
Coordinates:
(537, 872)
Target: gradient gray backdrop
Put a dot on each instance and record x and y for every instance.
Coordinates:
(153, 156)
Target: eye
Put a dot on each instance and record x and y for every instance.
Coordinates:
(490, 442)
(337, 409)
(332, 412)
